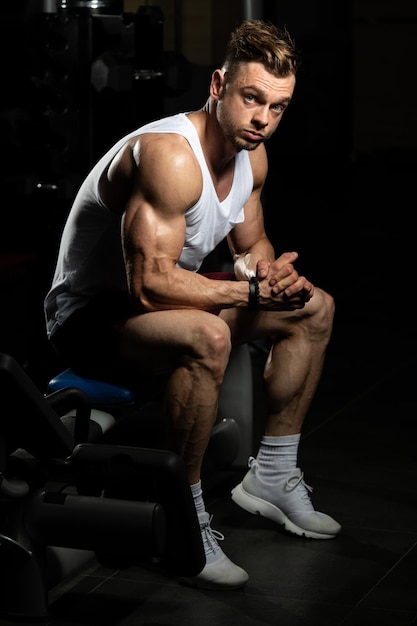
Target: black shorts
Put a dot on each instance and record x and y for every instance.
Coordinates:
(89, 340)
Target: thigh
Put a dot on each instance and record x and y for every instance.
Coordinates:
(158, 341)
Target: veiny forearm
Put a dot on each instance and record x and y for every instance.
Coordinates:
(182, 289)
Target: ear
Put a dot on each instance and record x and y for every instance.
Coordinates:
(217, 84)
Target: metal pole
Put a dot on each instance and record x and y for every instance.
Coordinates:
(252, 9)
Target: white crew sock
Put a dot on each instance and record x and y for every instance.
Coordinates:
(197, 494)
(209, 536)
(277, 456)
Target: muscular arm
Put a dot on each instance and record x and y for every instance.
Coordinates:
(252, 251)
(248, 242)
(152, 184)
(167, 181)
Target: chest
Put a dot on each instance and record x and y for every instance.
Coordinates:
(222, 180)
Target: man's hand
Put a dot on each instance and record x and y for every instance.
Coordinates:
(280, 286)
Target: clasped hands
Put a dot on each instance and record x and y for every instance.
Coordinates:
(280, 286)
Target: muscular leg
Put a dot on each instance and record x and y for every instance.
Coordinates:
(295, 362)
(195, 345)
(274, 486)
(294, 367)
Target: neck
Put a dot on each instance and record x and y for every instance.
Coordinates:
(217, 148)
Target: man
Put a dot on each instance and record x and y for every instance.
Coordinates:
(127, 298)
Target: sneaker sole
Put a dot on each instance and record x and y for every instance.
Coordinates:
(257, 506)
(202, 584)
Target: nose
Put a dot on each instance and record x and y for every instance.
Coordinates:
(261, 117)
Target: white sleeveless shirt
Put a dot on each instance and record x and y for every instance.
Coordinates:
(90, 258)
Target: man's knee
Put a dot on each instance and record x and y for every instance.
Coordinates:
(322, 318)
(213, 345)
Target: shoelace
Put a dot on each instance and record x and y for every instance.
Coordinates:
(292, 483)
(210, 537)
(295, 481)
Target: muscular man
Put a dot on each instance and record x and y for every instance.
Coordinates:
(127, 298)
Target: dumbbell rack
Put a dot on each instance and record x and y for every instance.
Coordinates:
(94, 76)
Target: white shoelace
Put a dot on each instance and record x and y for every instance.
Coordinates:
(210, 537)
(298, 481)
(293, 482)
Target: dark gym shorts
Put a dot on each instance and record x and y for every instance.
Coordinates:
(89, 340)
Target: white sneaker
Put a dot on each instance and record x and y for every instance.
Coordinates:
(219, 571)
(287, 503)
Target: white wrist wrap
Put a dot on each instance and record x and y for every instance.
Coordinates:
(241, 269)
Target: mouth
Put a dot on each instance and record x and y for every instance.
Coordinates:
(253, 136)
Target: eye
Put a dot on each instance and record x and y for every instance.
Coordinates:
(249, 97)
(278, 109)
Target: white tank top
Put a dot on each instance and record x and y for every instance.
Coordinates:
(90, 258)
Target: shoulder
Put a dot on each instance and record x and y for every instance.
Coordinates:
(163, 169)
(169, 149)
(157, 152)
(166, 159)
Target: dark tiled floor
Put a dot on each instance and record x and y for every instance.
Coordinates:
(358, 450)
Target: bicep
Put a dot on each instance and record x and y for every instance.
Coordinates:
(152, 236)
(153, 225)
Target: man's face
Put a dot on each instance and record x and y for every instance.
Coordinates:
(250, 107)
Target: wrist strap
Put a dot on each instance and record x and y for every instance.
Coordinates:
(253, 302)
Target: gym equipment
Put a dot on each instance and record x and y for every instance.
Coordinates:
(71, 489)
(231, 441)
(61, 489)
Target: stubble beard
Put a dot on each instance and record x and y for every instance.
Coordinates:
(231, 132)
